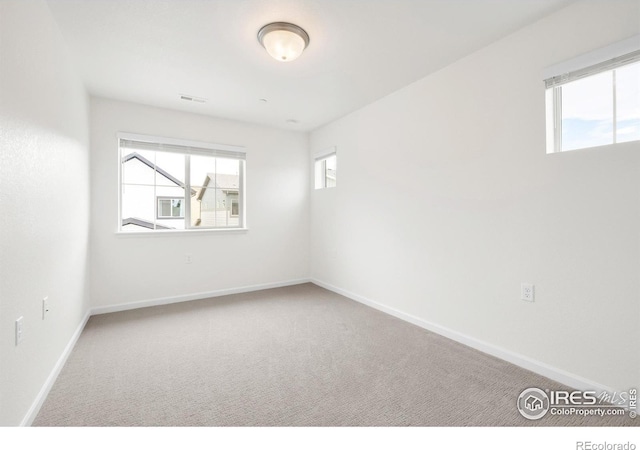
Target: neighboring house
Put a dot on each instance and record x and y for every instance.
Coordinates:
(133, 222)
(150, 196)
(217, 201)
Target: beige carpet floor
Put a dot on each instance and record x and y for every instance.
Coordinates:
(294, 356)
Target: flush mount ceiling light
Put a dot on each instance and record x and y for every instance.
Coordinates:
(283, 41)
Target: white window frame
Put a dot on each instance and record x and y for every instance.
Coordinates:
(187, 148)
(320, 166)
(164, 198)
(593, 63)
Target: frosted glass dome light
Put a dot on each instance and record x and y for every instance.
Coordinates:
(283, 41)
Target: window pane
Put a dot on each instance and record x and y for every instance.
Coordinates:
(165, 208)
(628, 103)
(211, 206)
(138, 167)
(167, 191)
(228, 174)
(138, 208)
(587, 112)
(231, 209)
(319, 177)
(228, 167)
(227, 189)
(325, 172)
(204, 206)
(331, 171)
(176, 208)
(169, 169)
(201, 168)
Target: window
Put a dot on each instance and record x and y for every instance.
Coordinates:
(598, 104)
(170, 208)
(167, 184)
(325, 171)
(234, 208)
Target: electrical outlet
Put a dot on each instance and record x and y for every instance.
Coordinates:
(45, 307)
(19, 329)
(526, 292)
(188, 258)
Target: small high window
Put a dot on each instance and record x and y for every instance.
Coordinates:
(598, 104)
(325, 171)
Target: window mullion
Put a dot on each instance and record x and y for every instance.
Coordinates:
(215, 193)
(155, 192)
(557, 120)
(187, 192)
(121, 185)
(241, 193)
(324, 173)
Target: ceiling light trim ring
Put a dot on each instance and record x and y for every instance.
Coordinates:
(284, 26)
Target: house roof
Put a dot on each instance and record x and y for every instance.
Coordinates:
(144, 224)
(160, 170)
(223, 181)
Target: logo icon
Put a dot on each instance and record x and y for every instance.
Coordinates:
(533, 403)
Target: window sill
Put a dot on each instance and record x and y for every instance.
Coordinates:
(618, 146)
(156, 233)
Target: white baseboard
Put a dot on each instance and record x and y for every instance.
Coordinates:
(546, 370)
(190, 297)
(553, 373)
(48, 384)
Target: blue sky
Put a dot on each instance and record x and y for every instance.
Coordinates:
(579, 133)
(587, 109)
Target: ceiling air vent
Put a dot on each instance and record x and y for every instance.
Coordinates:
(191, 98)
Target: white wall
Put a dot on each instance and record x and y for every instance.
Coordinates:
(44, 197)
(275, 249)
(446, 202)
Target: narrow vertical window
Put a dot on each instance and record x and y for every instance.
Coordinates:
(325, 171)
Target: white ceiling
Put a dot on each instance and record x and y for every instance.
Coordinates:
(151, 51)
